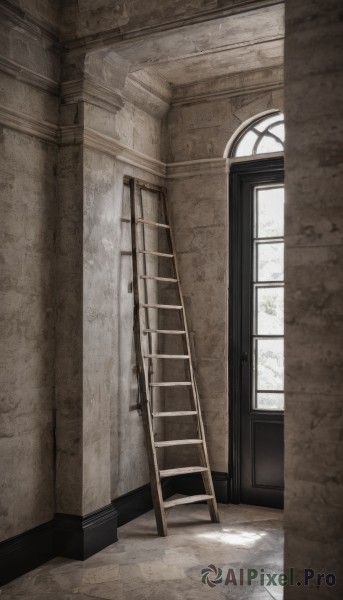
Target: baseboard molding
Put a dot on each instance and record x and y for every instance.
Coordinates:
(81, 537)
(193, 484)
(139, 501)
(26, 551)
(78, 538)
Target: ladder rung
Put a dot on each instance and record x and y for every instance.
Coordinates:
(176, 443)
(187, 500)
(153, 223)
(177, 413)
(181, 356)
(156, 253)
(167, 331)
(182, 471)
(170, 383)
(158, 278)
(168, 306)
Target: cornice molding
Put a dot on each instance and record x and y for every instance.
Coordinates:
(210, 96)
(195, 168)
(29, 23)
(92, 92)
(145, 97)
(10, 67)
(237, 84)
(25, 123)
(113, 36)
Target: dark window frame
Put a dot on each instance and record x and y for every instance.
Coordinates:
(241, 172)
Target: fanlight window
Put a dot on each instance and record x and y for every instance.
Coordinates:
(263, 136)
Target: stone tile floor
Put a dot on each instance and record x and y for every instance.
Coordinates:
(142, 566)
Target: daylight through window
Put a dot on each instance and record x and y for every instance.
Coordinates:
(263, 136)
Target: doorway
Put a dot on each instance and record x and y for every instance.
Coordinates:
(256, 331)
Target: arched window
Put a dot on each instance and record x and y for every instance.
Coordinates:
(264, 135)
(256, 305)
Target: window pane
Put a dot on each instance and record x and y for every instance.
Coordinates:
(268, 144)
(262, 125)
(279, 131)
(269, 365)
(258, 133)
(270, 261)
(270, 311)
(246, 144)
(270, 212)
(270, 401)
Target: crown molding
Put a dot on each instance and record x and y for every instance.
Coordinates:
(118, 34)
(25, 123)
(145, 97)
(236, 84)
(10, 67)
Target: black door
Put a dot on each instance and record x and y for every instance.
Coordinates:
(256, 331)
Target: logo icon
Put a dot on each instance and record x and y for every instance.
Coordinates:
(211, 575)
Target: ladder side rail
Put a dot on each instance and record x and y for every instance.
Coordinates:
(186, 340)
(146, 296)
(156, 488)
(206, 475)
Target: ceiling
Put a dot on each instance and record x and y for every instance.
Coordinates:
(242, 42)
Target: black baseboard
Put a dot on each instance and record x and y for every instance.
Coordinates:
(139, 501)
(26, 551)
(81, 537)
(193, 484)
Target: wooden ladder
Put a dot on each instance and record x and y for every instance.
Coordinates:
(145, 339)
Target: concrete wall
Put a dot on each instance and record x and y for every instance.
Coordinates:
(75, 333)
(28, 124)
(198, 133)
(99, 429)
(313, 301)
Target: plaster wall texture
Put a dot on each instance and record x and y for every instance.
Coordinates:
(28, 217)
(99, 435)
(131, 126)
(69, 330)
(97, 395)
(313, 302)
(202, 129)
(199, 210)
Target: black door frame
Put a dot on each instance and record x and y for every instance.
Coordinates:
(240, 172)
